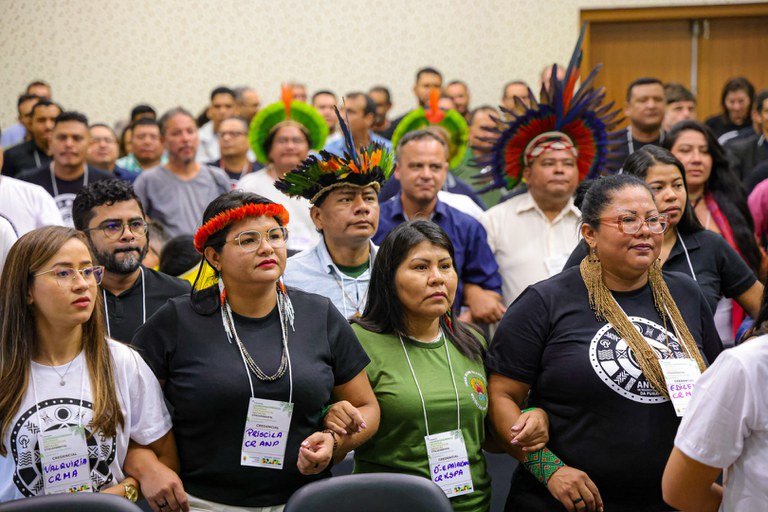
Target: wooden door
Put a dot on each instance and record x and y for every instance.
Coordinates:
(731, 47)
(630, 50)
(731, 40)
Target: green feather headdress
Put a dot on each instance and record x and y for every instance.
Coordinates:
(451, 121)
(367, 167)
(285, 109)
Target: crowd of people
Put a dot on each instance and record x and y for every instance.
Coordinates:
(209, 312)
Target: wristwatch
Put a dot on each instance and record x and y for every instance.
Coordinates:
(131, 493)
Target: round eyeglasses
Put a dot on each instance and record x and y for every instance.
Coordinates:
(65, 275)
(250, 241)
(630, 224)
(114, 229)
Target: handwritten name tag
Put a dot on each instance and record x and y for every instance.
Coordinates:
(64, 458)
(266, 433)
(680, 376)
(448, 462)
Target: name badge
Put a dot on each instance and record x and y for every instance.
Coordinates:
(680, 376)
(556, 263)
(64, 458)
(448, 462)
(266, 433)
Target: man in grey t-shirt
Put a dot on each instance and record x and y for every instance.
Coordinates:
(176, 194)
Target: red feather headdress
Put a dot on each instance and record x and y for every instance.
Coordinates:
(227, 217)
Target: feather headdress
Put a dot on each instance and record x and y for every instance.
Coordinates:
(364, 167)
(287, 108)
(450, 120)
(565, 118)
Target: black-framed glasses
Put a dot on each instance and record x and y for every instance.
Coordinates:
(114, 229)
(249, 241)
(65, 275)
(630, 224)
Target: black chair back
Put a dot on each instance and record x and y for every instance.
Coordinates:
(371, 492)
(78, 502)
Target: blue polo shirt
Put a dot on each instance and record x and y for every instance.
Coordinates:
(338, 146)
(475, 263)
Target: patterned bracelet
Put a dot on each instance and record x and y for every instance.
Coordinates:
(333, 435)
(542, 464)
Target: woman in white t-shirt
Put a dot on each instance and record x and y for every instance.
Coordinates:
(72, 400)
(725, 427)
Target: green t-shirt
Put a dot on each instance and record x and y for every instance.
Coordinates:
(398, 446)
(465, 171)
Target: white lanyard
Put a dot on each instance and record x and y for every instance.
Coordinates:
(82, 387)
(37, 158)
(143, 304)
(685, 250)
(346, 297)
(418, 388)
(56, 188)
(631, 143)
(226, 312)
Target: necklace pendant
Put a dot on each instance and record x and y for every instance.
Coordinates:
(61, 382)
(357, 314)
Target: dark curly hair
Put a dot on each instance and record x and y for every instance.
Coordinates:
(98, 193)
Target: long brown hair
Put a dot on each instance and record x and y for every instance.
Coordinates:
(18, 334)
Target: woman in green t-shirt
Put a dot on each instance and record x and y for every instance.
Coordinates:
(427, 372)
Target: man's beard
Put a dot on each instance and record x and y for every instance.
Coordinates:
(129, 264)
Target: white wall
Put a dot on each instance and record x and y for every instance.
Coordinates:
(104, 56)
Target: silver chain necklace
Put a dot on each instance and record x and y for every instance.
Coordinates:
(62, 382)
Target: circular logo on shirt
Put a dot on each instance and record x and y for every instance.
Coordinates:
(616, 365)
(478, 389)
(52, 415)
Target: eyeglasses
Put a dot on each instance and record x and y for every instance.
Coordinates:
(630, 224)
(114, 230)
(64, 275)
(231, 134)
(250, 241)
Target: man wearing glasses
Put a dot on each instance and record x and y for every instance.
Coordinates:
(112, 218)
(233, 143)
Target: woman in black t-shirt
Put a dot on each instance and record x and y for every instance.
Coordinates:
(248, 365)
(586, 344)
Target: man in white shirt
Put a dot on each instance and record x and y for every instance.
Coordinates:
(532, 234)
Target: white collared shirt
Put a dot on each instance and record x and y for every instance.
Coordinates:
(526, 244)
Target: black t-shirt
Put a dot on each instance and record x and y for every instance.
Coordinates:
(127, 309)
(22, 157)
(207, 386)
(605, 418)
(65, 191)
(717, 267)
(624, 147)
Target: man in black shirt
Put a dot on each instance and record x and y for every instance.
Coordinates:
(111, 216)
(34, 152)
(645, 110)
(68, 172)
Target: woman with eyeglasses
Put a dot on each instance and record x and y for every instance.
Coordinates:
(608, 350)
(72, 400)
(688, 247)
(248, 366)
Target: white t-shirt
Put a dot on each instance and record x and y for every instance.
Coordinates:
(726, 424)
(463, 203)
(141, 401)
(27, 206)
(301, 230)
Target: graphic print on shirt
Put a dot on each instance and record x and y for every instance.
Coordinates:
(478, 389)
(56, 414)
(64, 203)
(616, 364)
